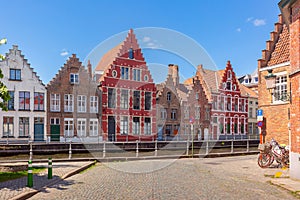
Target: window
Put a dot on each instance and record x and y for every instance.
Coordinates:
(69, 105)
(136, 125)
(10, 104)
(124, 125)
(24, 100)
(173, 114)
(250, 112)
(148, 100)
(197, 112)
(146, 78)
(228, 85)
(147, 126)
(124, 99)
(54, 121)
(229, 75)
(81, 103)
(38, 101)
(130, 53)
(137, 74)
(114, 73)
(136, 100)
(186, 112)
(169, 96)
(229, 104)
(81, 127)
(55, 102)
(74, 78)
(256, 79)
(8, 126)
(228, 128)
(197, 95)
(250, 128)
(125, 73)
(111, 98)
(168, 130)
(163, 113)
(69, 127)
(221, 105)
(246, 80)
(24, 126)
(280, 92)
(15, 74)
(221, 125)
(207, 113)
(93, 104)
(93, 127)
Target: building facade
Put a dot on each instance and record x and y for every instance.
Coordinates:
(73, 104)
(291, 16)
(229, 107)
(26, 115)
(128, 93)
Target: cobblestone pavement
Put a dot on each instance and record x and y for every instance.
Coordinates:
(10, 189)
(203, 178)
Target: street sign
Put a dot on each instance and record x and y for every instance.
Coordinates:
(192, 120)
(260, 124)
(260, 118)
(260, 112)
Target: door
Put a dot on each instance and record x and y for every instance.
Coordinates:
(38, 129)
(111, 128)
(55, 129)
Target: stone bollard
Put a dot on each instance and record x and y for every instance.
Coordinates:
(70, 150)
(49, 168)
(137, 149)
(155, 154)
(30, 175)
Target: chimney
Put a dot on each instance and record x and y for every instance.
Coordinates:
(89, 68)
(173, 72)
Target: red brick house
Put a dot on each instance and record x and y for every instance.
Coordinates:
(229, 104)
(290, 10)
(73, 104)
(128, 93)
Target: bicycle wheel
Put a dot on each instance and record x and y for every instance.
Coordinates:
(264, 160)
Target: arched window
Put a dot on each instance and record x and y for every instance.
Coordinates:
(229, 75)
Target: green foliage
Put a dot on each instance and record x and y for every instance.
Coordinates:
(4, 95)
(6, 176)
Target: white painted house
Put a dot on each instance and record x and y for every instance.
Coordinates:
(26, 115)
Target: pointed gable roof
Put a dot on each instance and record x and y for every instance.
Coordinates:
(121, 50)
(72, 62)
(16, 52)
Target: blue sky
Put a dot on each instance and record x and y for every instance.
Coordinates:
(49, 31)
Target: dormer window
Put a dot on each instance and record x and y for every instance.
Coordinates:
(256, 79)
(130, 53)
(74, 78)
(246, 81)
(169, 96)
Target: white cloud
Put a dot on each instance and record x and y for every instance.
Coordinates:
(64, 52)
(146, 39)
(259, 22)
(249, 19)
(238, 29)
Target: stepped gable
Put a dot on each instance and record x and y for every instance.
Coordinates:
(224, 76)
(25, 61)
(277, 48)
(72, 62)
(121, 51)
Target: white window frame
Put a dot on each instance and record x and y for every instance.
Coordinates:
(55, 102)
(173, 114)
(68, 103)
(197, 112)
(163, 113)
(281, 88)
(124, 75)
(74, 78)
(124, 100)
(81, 127)
(124, 125)
(93, 127)
(136, 74)
(81, 103)
(136, 126)
(147, 126)
(93, 104)
(69, 124)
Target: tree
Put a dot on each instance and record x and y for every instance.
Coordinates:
(4, 95)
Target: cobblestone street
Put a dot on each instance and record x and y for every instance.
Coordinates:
(210, 178)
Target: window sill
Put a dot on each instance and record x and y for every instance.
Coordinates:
(19, 80)
(24, 110)
(279, 102)
(8, 136)
(39, 110)
(23, 137)
(54, 110)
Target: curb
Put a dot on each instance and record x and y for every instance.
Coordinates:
(29, 194)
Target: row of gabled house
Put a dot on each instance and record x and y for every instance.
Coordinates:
(120, 102)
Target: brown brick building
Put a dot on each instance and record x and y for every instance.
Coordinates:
(291, 15)
(73, 104)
